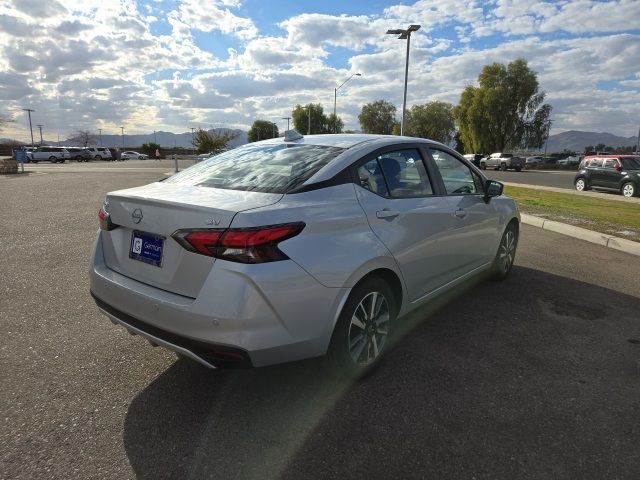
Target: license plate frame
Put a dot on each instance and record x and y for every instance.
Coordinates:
(147, 248)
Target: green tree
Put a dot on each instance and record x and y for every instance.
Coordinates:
(212, 141)
(319, 121)
(432, 120)
(378, 117)
(588, 148)
(459, 146)
(261, 130)
(505, 111)
(600, 147)
(150, 148)
(334, 124)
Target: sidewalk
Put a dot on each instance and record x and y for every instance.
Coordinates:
(589, 193)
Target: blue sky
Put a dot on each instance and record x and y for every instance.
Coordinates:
(173, 64)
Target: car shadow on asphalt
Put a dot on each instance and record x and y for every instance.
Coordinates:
(537, 376)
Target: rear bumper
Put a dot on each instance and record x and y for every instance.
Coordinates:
(265, 314)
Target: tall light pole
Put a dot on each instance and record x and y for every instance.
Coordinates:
(193, 140)
(29, 110)
(40, 128)
(335, 98)
(309, 126)
(122, 130)
(100, 132)
(402, 35)
(154, 138)
(287, 119)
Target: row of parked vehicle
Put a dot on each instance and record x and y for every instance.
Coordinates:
(56, 154)
(509, 161)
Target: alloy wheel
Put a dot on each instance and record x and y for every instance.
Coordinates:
(507, 250)
(369, 329)
(628, 190)
(580, 184)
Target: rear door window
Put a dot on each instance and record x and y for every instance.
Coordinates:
(596, 162)
(610, 163)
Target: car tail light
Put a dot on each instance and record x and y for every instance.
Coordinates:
(244, 245)
(105, 218)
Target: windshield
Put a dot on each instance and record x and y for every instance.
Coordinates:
(631, 163)
(261, 168)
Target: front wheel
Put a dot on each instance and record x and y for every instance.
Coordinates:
(581, 185)
(53, 159)
(362, 332)
(483, 166)
(518, 169)
(629, 190)
(506, 255)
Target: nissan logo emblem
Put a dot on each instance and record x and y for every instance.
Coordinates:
(137, 216)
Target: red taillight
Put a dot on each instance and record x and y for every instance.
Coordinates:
(245, 245)
(105, 220)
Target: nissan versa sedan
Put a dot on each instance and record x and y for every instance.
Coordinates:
(298, 247)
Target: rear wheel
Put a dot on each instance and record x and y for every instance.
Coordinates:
(78, 158)
(503, 167)
(98, 157)
(362, 332)
(629, 190)
(518, 169)
(506, 255)
(483, 166)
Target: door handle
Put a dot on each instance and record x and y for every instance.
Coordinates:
(386, 213)
(460, 213)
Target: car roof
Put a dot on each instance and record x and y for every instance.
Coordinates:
(344, 140)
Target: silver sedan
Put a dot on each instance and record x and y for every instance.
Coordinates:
(298, 247)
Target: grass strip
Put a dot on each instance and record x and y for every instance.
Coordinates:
(602, 211)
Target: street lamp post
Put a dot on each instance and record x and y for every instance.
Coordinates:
(100, 132)
(335, 98)
(28, 110)
(309, 127)
(287, 119)
(193, 140)
(122, 130)
(402, 35)
(40, 128)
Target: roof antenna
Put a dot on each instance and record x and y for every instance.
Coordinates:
(292, 136)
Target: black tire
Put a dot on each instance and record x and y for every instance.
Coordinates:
(98, 157)
(53, 159)
(35, 161)
(78, 158)
(518, 169)
(506, 254)
(629, 189)
(483, 166)
(373, 341)
(503, 167)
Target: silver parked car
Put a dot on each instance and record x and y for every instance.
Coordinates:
(294, 248)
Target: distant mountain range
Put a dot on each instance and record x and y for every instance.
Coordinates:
(165, 139)
(576, 141)
(573, 140)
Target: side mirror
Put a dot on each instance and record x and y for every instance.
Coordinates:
(619, 167)
(492, 188)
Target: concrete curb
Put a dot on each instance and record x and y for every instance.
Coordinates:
(603, 239)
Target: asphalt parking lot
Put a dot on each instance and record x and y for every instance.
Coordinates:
(535, 377)
(551, 178)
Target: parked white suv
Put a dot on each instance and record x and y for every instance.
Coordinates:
(100, 153)
(53, 154)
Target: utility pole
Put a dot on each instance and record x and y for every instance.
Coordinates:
(100, 132)
(335, 98)
(29, 110)
(638, 142)
(309, 127)
(122, 130)
(405, 34)
(40, 128)
(287, 119)
(193, 140)
(154, 137)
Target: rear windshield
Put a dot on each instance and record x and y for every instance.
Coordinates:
(631, 163)
(261, 168)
